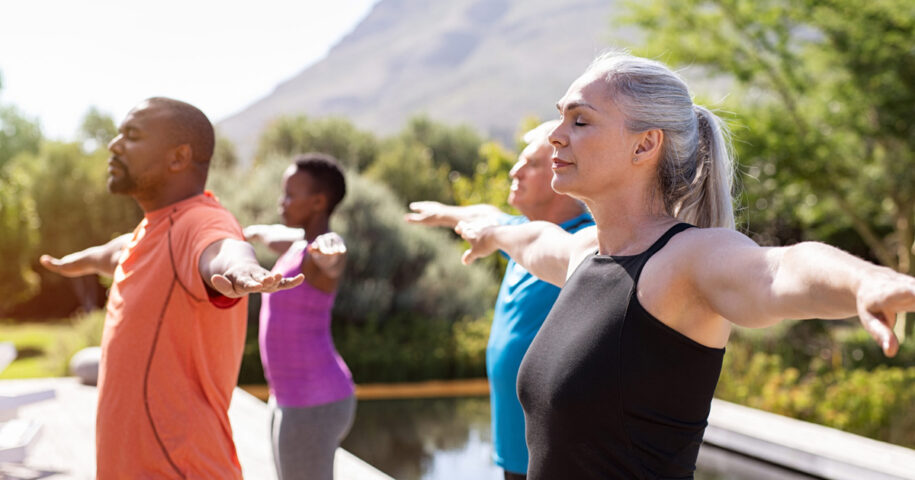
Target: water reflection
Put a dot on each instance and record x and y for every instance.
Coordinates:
(424, 439)
(449, 439)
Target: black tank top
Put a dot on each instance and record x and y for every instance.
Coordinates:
(608, 390)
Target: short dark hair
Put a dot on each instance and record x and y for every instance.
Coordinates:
(189, 125)
(328, 175)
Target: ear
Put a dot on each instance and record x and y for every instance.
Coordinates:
(319, 202)
(648, 149)
(181, 157)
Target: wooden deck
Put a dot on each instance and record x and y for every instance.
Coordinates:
(65, 447)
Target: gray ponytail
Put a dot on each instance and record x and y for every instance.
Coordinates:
(695, 171)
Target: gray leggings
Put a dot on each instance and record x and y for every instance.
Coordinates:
(306, 438)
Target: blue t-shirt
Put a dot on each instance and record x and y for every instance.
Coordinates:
(523, 304)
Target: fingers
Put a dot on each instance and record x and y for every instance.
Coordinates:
(880, 328)
(252, 231)
(287, 283)
(239, 286)
(65, 266)
(468, 257)
(223, 285)
(425, 213)
(328, 244)
(50, 263)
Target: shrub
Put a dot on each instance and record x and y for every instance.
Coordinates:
(875, 403)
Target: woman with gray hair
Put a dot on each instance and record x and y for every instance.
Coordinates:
(619, 381)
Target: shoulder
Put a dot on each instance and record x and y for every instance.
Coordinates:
(693, 242)
(695, 253)
(206, 214)
(582, 244)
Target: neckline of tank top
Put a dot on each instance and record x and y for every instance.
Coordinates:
(610, 256)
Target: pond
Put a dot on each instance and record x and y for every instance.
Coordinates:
(449, 439)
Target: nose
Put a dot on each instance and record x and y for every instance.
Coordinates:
(558, 137)
(515, 172)
(114, 143)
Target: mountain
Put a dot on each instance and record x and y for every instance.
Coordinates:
(486, 63)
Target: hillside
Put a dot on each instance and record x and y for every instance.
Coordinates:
(487, 63)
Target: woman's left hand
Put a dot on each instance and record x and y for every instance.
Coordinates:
(881, 296)
(327, 251)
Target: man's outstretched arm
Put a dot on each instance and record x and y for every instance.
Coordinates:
(101, 259)
(435, 214)
(229, 267)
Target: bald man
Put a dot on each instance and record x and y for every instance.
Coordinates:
(176, 315)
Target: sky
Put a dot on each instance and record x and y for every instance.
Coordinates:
(59, 58)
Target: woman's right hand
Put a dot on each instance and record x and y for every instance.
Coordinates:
(479, 235)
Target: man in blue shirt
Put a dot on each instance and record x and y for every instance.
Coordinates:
(524, 301)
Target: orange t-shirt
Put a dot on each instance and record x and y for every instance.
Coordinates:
(170, 356)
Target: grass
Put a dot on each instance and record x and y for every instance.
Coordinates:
(44, 349)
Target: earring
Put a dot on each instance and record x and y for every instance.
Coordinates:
(635, 160)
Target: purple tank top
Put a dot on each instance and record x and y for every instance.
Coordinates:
(300, 362)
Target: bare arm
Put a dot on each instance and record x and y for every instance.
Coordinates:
(101, 259)
(437, 214)
(229, 267)
(755, 286)
(543, 248)
(276, 237)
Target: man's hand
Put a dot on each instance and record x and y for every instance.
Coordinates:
(429, 213)
(244, 278)
(101, 259)
(73, 265)
(230, 267)
(435, 214)
(328, 252)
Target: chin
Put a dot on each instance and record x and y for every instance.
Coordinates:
(119, 187)
(560, 186)
(513, 200)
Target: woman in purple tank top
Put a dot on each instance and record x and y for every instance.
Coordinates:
(311, 389)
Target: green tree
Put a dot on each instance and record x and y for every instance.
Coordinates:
(456, 147)
(490, 182)
(18, 217)
(97, 129)
(288, 136)
(18, 237)
(73, 204)
(17, 134)
(406, 166)
(224, 154)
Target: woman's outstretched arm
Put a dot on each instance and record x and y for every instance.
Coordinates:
(755, 286)
(543, 248)
(276, 237)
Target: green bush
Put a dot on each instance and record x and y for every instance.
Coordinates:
(875, 403)
(409, 349)
(292, 135)
(18, 237)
